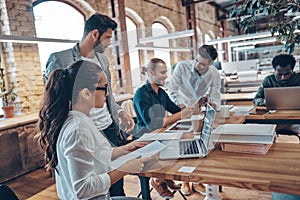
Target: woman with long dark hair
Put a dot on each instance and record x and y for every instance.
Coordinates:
(74, 149)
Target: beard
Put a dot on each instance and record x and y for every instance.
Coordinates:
(98, 47)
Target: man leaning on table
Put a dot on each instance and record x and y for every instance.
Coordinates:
(284, 76)
(151, 103)
(192, 79)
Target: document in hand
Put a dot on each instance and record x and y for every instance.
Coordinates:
(146, 151)
(160, 136)
(245, 133)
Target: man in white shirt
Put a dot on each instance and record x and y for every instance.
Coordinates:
(192, 79)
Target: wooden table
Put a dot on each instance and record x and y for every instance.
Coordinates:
(280, 116)
(278, 170)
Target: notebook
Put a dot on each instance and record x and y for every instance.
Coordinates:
(282, 98)
(189, 148)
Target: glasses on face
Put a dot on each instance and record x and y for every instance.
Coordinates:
(103, 88)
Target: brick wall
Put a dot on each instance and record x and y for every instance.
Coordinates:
(21, 61)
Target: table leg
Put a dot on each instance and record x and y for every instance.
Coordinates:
(144, 181)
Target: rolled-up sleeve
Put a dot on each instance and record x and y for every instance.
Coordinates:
(175, 83)
(215, 94)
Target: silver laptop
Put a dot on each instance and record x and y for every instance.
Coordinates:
(282, 98)
(189, 148)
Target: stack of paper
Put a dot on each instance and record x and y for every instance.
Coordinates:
(247, 138)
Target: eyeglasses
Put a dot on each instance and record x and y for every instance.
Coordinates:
(103, 88)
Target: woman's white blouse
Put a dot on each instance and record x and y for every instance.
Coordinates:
(84, 158)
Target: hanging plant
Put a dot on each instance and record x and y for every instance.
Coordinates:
(286, 29)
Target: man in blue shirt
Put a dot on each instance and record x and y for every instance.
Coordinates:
(151, 103)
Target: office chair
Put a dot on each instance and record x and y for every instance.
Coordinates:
(124, 198)
(145, 183)
(7, 193)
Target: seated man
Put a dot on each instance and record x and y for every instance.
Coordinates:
(284, 76)
(151, 103)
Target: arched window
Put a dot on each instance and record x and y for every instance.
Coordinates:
(157, 30)
(66, 23)
(206, 38)
(133, 54)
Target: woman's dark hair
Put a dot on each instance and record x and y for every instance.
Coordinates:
(283, 60)
(208, 52)
(61, 92)
(99, 22)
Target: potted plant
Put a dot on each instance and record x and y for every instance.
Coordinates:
(8, 97)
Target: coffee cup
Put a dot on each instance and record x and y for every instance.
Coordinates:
(224, 111)
(197, 122)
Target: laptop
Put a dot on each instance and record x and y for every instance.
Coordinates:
(282, 98)
(191, 148)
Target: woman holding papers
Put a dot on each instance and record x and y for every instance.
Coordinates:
(74, 149)
(151, 103)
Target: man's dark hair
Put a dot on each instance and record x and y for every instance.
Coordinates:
(99, 22)
(283, 60)
(208, 52)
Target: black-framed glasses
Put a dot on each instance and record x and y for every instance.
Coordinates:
(103, 88)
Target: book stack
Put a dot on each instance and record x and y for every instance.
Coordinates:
(245, 138)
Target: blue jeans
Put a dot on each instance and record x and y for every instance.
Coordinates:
(281, 196)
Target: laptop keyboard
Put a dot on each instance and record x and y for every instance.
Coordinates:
(188, 147)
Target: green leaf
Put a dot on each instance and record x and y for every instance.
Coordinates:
(292, 48)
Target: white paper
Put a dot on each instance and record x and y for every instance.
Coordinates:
(246, 129)
(241, 108)
(146, 151)
(160, 136)
(250, 95)
(245, 133)
(186, 169)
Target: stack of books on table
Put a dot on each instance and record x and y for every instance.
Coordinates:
(245, 138)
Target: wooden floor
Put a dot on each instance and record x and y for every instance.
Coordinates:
(38, 185)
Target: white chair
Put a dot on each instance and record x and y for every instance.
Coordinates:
(128, 108)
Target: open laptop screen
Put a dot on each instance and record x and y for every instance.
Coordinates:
(282, 98)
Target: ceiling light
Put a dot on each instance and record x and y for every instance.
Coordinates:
(32, 40)
(178, 49)
(169, 36)
(253, 42)
(243, 48)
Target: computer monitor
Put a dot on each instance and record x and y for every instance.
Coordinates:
(230, 68)
(218, 65)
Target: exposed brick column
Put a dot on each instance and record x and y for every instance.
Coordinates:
(21, 61)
